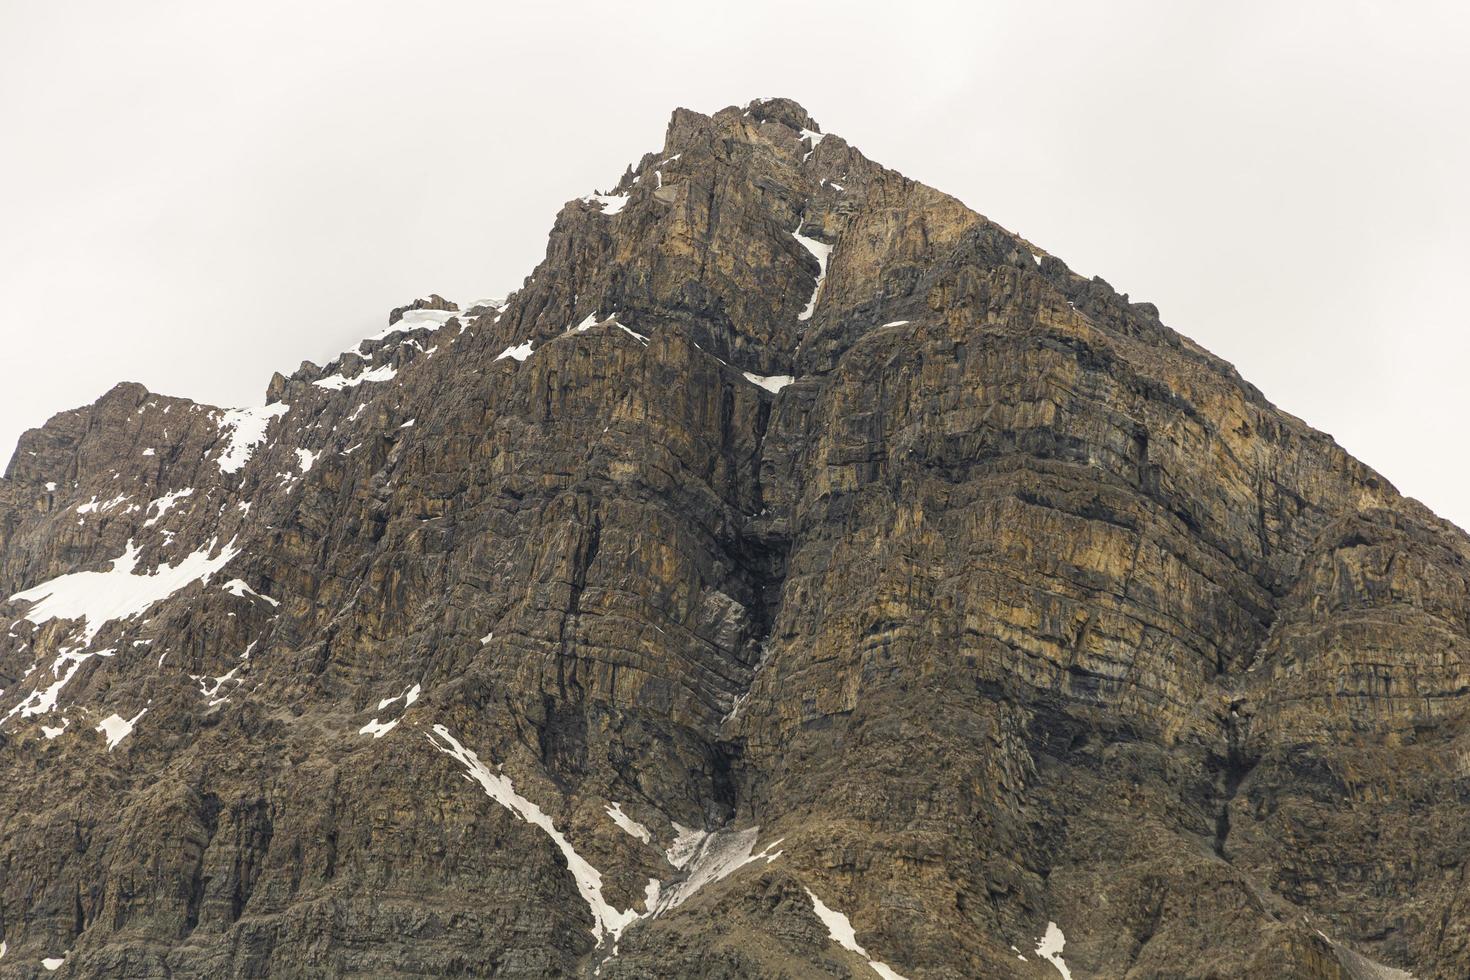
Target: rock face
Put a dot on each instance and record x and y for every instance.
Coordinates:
(799, 576)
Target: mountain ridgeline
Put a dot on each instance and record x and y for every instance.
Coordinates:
(798, 576)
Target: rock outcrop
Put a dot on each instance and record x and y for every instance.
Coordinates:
(799, 576)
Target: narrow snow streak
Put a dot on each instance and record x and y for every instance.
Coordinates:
(841, 931)
(606, 920)
(631, 333)
(740, 699)
(821, 251)
(629, 826)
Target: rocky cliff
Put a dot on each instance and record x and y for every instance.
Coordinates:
(799, 576)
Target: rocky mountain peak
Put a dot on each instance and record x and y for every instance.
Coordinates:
(799, 575)
(785, 111)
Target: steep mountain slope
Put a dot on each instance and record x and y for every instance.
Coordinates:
(799, 576)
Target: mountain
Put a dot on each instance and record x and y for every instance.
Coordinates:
(799, 576)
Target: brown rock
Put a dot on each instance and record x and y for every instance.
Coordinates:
(1014, 608)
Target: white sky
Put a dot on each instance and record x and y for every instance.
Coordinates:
(195, 194)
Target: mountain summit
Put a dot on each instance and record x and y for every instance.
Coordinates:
(798, 576)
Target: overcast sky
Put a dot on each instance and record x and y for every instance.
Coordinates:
(195, 194)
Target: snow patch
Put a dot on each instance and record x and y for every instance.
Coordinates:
(426, 318)
(119, 593)
(717, 856)
(162, 504)
(378, 729)
(39, 701)
(611, 203)
(815, 137)
(409, 320)
(51, 733)
(117, 728)
(210, 691)
(686, 842)
(337, 382)
(408, 697)
(246, 428)
(1050, 949)
(518, 351)
(53, 963)
(305, 458)
(896, 323)
(237, 587)
(92, 505)
(772, 383)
